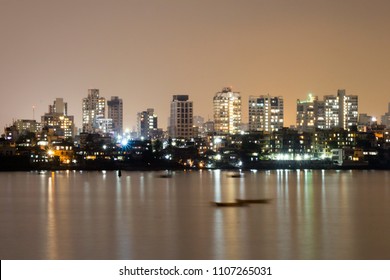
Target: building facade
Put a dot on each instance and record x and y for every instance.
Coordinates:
(93, 108)
(266, 113)
(115, 112)
(310, 114)
(385, 119)
(26, 126)
(146, 124)
(181, 117)
(58, 120)
(341, 110)
(227, 111)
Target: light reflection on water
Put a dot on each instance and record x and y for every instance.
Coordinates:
(98, 215)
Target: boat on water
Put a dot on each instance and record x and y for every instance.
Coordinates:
(236, 175)
(166, 175)
(229, 204)
(260, 200)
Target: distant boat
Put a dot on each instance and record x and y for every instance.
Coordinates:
(236, 175)
(260, 200)
(166, 175)
(229, 204)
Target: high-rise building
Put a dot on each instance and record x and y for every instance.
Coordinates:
(58, 119)
(59, 107)
(227, 111)
(310, 114)
(115, 112)
(146, 124)
(181, 117)
(385, 119)
(94, 107)
(266, 113)
(341, 110)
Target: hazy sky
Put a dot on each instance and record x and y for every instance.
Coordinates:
(146, 51)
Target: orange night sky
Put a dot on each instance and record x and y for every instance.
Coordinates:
(147, 51)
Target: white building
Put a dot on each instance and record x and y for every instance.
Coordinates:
(104, 126)
(227, 111)
(94, 107)
(266, 113)
(341, 110)
(310, 114)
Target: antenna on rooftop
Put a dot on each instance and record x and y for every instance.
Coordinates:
(33, 108)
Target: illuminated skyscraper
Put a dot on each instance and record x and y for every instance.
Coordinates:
(93, 107)
(181, 117)
(227, 111)
(146, 124)
(115, 112)
(310, 114)
(266, 113)
(341, 110)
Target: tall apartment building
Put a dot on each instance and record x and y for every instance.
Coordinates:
(266, 113)
(227, 111)
(59, 107)
(58, 119)
(341, 110)
(181, 117)
(385, 119)
(115, 112)
(146, 124)
(94, 107)
(310, 114)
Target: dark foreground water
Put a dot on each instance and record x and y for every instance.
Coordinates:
(98, 215)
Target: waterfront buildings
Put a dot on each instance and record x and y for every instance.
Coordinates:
(227, 111)
(115, 112)
(181, 117)
(266, 113)
(93, 108)
(335, 111)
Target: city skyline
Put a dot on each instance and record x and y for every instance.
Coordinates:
(146, 51)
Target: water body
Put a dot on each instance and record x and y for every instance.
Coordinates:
(313, 214)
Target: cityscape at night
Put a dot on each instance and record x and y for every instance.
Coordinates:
(329, 133)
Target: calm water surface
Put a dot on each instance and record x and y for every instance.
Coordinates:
(98, 215)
